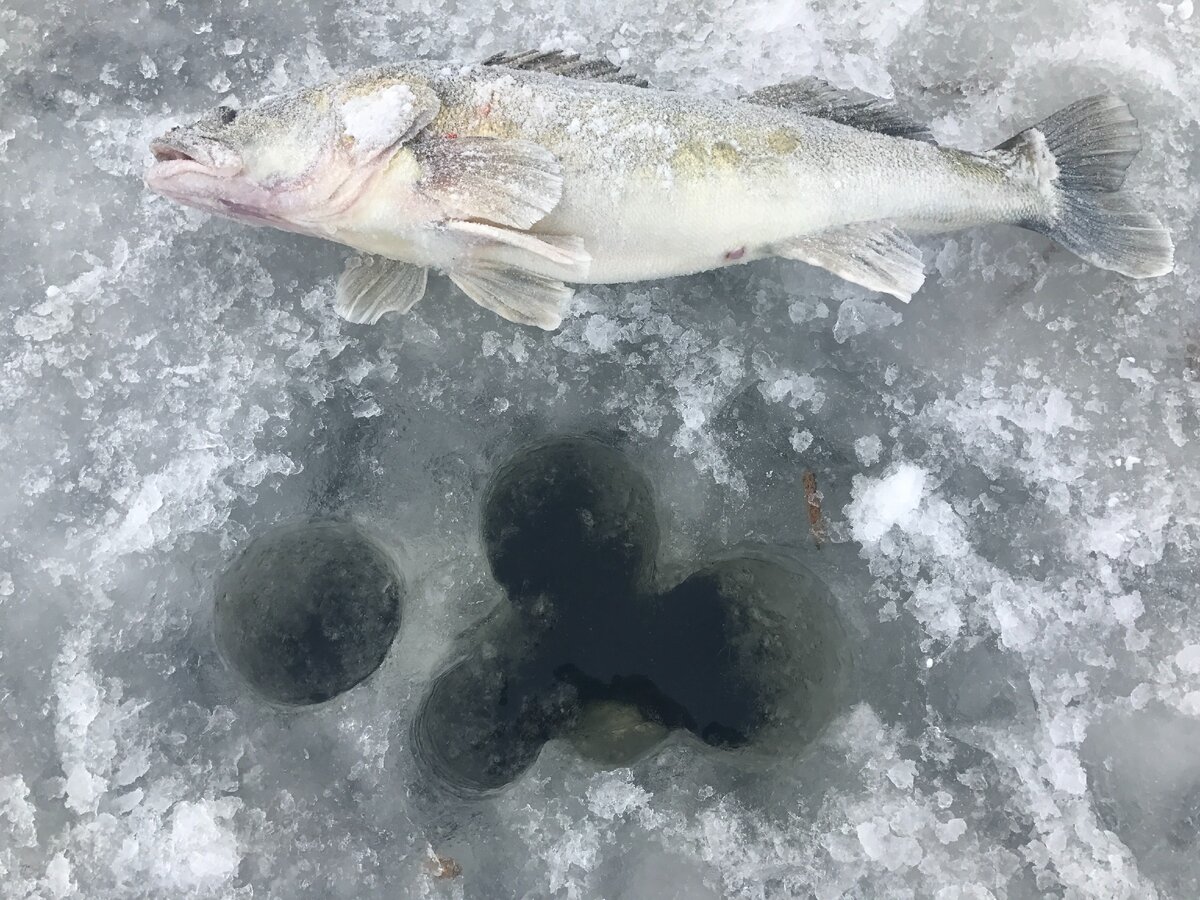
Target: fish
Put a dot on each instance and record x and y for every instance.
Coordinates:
(526, 173)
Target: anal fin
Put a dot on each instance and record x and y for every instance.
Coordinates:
(876, 255)
(371, 286)
(518, 295)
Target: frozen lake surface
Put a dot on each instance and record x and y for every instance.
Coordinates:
(558, 622)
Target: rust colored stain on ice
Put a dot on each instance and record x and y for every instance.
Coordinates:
(732, 255)
(812, 497)
(443, 866)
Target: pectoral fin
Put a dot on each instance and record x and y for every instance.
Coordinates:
(876, 255)
(516, 294)
(371, 286)
(562, 255)
(509, 182)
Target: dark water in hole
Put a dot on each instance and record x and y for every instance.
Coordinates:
(308, 611)
(589, 650)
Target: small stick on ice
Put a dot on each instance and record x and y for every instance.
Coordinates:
(812, 496)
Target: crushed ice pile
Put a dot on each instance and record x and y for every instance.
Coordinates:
(1007, 473)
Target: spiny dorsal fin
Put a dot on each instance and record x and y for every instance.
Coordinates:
(569, 65)
(814, 97)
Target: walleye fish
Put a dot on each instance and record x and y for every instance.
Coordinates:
(532, 171)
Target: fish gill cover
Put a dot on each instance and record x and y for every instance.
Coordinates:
(1002, 477)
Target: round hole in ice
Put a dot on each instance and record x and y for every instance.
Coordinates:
(474, 733)
(308, 611)
(566, 515)
(590, 651)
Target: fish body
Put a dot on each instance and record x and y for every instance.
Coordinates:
(660, 184)
(518, 177)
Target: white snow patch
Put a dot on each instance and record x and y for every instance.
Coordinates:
(951, 831)
(377, 119)
(200, 849)
(1065, 772)
(18, 810)
(881, 844)
(868, 449)
(616, 797)
(58, 876)
(801, 440)
(882, 503)
(1188, 659)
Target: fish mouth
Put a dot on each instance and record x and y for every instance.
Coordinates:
(178, 152)
(164, 152)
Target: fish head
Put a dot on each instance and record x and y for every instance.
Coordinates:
(294, 162)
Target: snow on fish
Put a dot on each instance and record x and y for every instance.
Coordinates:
(528, 172)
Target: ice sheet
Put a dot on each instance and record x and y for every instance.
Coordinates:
(1006, 471)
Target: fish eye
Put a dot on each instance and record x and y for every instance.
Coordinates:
(227, 114)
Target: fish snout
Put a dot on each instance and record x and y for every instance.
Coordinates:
(184, 151)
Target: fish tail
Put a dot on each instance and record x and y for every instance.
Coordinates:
(1079, 156)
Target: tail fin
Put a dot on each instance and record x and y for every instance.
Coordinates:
(1082, 151)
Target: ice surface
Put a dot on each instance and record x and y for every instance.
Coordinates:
(1006, 469)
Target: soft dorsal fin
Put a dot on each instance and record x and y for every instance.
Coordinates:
(814, 97)
(569, 65)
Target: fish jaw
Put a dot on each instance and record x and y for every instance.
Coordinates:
(207, 176)
(192, 183)
(180, 146)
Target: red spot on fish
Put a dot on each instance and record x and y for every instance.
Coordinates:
(486, 109)
(731, 255)
(452, 134)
